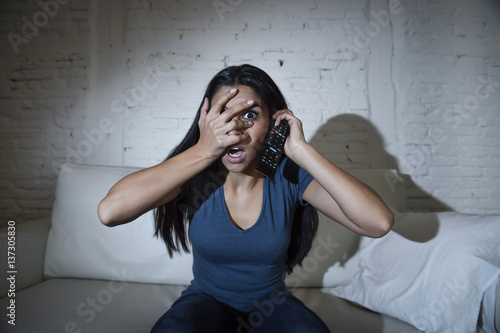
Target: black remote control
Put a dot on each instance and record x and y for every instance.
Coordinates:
(272, 149)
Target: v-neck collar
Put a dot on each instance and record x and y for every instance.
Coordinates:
(265, 198)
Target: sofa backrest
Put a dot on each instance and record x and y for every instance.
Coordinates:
(79, 246)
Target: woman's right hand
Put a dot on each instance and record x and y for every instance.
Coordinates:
(220, 127)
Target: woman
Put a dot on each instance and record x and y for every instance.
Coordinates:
(246, 230)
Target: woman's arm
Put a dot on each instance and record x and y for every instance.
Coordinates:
(343, 198)
(144, 190)
(334, 192)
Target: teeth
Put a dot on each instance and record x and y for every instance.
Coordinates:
(233, 152)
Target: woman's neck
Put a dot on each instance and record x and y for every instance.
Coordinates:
(236, 182)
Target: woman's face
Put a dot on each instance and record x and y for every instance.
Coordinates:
(242, 158)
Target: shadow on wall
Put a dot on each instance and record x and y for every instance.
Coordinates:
(352, 142)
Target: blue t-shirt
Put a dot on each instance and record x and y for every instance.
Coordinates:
(238, 267)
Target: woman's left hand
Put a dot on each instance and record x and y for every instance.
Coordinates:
(296, 138)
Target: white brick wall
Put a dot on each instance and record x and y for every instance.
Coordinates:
(42, 100)
(446, 59)
(118, 82)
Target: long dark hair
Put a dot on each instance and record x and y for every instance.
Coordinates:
(172, 219)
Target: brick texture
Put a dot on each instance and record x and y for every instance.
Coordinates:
(42, 100)
(411, 85)
(448, 72)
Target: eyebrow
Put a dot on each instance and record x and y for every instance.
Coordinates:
(253, 106)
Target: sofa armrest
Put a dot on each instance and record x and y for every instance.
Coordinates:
(30, 244)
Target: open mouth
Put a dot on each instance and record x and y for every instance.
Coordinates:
(235, 152)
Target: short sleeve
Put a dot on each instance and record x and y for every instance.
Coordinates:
(297, 179)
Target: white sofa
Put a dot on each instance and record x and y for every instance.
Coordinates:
(72, 274)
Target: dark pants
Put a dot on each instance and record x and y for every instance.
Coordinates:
(200, 313)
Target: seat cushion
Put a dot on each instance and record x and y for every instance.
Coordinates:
(98, 306)
(74, 305)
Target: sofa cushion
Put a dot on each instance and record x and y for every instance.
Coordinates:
(79, 245)
(75, 305)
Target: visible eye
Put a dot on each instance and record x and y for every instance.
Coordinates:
(250, 115)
